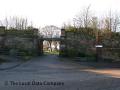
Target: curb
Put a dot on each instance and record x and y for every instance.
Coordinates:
(11, 67)
(14, 66)
(13, 62)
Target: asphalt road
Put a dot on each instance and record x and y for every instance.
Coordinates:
(54, 73)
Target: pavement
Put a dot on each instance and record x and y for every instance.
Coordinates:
(10, 62)
(9, 65)
(54, 73)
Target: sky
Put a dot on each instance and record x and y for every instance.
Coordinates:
(54, 12)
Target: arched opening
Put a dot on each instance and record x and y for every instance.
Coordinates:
(51, 47)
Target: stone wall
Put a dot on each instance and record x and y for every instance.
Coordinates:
(79, 42)
(17, 41)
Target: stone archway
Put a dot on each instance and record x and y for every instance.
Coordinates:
(60, 42)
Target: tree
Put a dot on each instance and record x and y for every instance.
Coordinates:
(50, 32)
(16, 23)
(94, 23)
(111, 22)
(116, 22)
(83, 19)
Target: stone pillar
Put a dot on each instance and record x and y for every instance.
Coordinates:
(2, 30)
(62, 43)
(35, 31)
(40, 46)
(3, 36)
(2, 27)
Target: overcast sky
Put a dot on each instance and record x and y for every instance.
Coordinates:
(53, 12)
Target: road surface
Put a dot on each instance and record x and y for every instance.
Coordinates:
(54, 73)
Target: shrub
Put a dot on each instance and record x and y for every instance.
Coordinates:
(72, 52)
(80, 54)
(2, 60)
